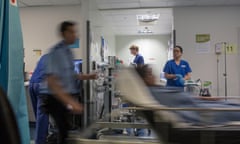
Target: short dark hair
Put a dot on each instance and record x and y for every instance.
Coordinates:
(64, 25)
(181, 49)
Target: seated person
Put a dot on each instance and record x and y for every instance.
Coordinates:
(174, 97)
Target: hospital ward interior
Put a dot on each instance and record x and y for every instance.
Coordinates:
(120, 71)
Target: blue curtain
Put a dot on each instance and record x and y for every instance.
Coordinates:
(11, 65)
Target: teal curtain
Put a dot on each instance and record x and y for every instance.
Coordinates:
(11, 65)
(3, 48)
(1, 22)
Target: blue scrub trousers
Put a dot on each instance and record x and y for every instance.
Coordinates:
(42, 119)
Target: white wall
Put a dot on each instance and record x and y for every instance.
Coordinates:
(100, 27)
(222, 23)
(39, 26)
(153, 48)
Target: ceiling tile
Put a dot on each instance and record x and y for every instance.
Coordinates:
(21, 4)
(210, 2)
(66, 2)
(118, 5)
(116, 1)
(37, 2)
(181, 3)
(154, 4)
(232, 2)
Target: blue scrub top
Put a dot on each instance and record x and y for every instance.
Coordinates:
(138, 60)
(172, 68)
(60, 64)
(38, 74)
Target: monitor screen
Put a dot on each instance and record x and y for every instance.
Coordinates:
(77, 65)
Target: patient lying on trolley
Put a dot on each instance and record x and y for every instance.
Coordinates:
(175, 97)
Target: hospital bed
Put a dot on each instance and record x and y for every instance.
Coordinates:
(167, 124)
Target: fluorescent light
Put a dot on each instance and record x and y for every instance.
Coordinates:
(148, 17)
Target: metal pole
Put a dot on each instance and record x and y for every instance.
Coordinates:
(88, 98)
(225, 72)
(174, 38)
(217, 75)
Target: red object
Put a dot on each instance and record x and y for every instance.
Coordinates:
(13, 1)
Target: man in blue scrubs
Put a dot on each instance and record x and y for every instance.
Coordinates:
(41, 117)
(177, 70)
(138, 60)
(60, 85)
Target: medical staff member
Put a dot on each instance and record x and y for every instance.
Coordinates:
(176, 71)
(60, 84)
(138, 60)
(41, 118)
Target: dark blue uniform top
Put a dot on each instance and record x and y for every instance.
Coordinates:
(172, 68)
(60, 64)
(38, 74)
(139, 60)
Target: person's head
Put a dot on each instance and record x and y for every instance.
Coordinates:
(68, 31)
(145, 72)
(177, 52)
(134, 49)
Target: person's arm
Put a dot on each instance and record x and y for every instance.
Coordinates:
(141, 61)
(62, 96)
(169, 76)
(86, 76)
(188, 70)
(51, 69)
(167, 71)
(187, 76)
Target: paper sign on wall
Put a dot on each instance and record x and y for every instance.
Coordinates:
(76, 44)
(37, 52)
(231, 49)
(203, 43)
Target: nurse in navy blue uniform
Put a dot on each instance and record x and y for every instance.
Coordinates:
(176, 71)
(138, 60)
(41, 118)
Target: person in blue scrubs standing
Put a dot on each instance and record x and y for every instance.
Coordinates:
(41, 117)
(138, 60)
(176, 71)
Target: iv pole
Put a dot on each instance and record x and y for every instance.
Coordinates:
(217, 74)
(225, 69)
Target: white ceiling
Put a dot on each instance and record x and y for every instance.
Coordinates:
(123, 4)
(121, 14)
(112, 4)
(28, 3)
(124, 22)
